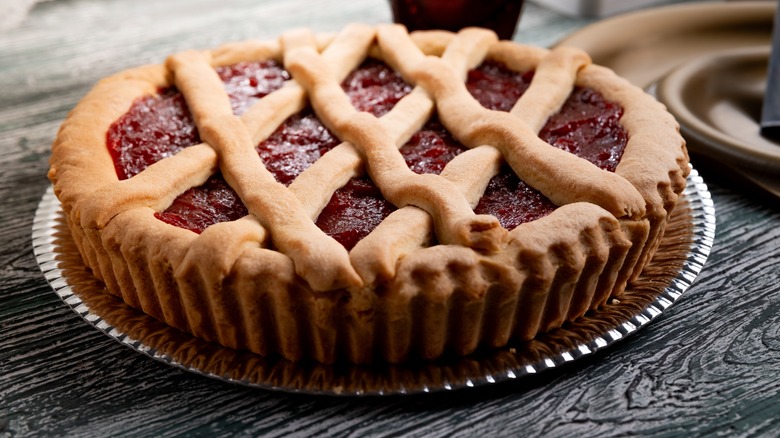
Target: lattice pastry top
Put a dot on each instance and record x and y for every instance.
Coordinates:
(258, 272)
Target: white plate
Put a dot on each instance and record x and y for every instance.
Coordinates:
(717, 100)
(643, 46)
(665, 45)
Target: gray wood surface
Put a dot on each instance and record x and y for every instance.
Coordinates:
(709, 366)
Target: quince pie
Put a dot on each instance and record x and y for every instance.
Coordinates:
(372, 195)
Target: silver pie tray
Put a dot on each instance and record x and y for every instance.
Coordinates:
(681, 256)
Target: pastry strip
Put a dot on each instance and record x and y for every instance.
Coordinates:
(318, 258)
(372, 256)
(454, 220)
(559, 175)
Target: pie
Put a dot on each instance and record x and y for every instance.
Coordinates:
(368, 196)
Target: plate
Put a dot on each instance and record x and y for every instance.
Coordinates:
(644, 46)
(717, 100)
(649, 45)
(680, 258)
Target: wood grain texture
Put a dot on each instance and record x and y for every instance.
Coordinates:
(709, 366)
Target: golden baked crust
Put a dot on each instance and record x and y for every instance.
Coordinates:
(394, 296)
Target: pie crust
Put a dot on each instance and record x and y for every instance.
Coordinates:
(273, 283)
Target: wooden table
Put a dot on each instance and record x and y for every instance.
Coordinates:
(710, 365)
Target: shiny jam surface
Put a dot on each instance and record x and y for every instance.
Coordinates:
(154, 128)
(197, 208)
(295, 145)
(246, 82)
(588, 126)
(159, 126)
(357, 208)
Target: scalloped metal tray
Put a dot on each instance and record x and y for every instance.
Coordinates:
(682, 255)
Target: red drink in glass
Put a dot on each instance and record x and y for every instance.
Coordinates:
(500, 15)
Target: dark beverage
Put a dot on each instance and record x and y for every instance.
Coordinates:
(500, 15)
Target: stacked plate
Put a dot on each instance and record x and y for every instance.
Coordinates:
(707, 62)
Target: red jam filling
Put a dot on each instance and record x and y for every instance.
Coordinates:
(160, 126)
(197, 208)
(588, 126)
(154, 128)
(353, 211)
(302, 139)
(246, 82)
(357, 208)
(295, 145)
